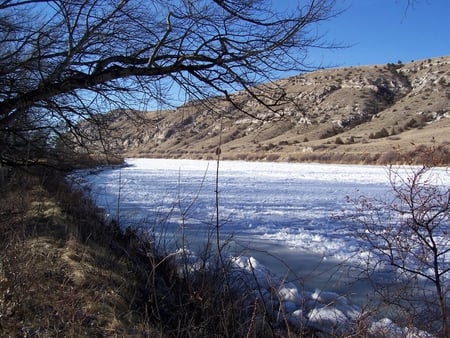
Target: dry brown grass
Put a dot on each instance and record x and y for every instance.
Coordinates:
(65, 271)
(58, 274)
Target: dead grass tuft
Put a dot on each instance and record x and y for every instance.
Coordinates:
(56, 279)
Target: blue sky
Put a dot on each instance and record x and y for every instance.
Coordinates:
(382, 31)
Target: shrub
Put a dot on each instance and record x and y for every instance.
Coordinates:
(272, 157)
(330, 132)
(379, 134)
(338, 141)
(409, 234)
(390, 157)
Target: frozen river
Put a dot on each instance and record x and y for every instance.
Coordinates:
(284, 214)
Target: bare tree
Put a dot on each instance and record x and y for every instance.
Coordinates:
(409, 236)
(65, 61)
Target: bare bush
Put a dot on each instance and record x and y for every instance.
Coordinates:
(390, 157)
(407, 236)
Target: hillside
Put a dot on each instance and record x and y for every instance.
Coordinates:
(370, 114)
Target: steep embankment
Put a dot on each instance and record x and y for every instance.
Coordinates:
(369, 114)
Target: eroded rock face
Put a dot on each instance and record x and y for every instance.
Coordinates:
(309, 110)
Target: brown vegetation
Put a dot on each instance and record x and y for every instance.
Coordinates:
(59, 273)
(66, 271)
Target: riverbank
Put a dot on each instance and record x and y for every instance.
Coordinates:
(66, 271)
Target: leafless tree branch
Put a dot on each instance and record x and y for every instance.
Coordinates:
(98, 55)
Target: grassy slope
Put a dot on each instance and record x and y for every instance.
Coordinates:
(332, 115)
(64, 271)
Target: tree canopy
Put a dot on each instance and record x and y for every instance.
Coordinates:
(65, 61)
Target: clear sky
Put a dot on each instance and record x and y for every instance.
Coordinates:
(383, 31)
